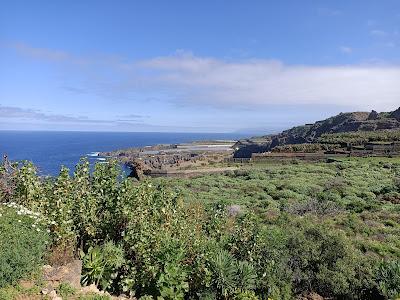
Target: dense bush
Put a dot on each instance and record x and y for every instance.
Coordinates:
(297, 228)
(23, 241)
(305, 148)
(388, 278)
(360, 137)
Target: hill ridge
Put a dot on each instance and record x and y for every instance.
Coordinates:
(309, 133)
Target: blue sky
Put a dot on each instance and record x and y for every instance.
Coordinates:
(195, 66)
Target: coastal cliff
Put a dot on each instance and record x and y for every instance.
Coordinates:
(179, 159)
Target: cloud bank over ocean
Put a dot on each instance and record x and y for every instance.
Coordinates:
(188, 79)
(269, 82)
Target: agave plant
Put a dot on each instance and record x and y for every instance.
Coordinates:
(245, 276)
(224, 273)
(101, 264)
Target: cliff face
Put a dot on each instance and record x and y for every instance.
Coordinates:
(344, 122)
(395, 114)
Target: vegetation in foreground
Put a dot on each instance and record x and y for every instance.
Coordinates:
(277, 231)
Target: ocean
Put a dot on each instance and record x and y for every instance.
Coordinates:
(49, 150)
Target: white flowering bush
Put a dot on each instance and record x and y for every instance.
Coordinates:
(28, 187)
(24, 236)
(58, 208)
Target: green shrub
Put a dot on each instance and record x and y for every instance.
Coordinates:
(246, 295)
(94, 297)
(28, 189)
(7, 180)
(360, 137)
(303, 227)
(246, 276)
(322, 261)
(172, 282)
(8, 293)
(23, 241)
(65, 290)
(388, 279)
(101, 265)
(146, 297)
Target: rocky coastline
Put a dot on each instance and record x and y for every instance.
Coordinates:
(209, 156)
(179, 159)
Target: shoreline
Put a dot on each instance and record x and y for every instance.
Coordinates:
(174, 159)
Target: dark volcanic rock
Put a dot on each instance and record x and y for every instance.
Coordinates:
(373, 115)
(396, 114)
(247, 147)
(309, 133)
(138, 169)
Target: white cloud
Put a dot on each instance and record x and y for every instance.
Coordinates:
(187, 79)
(331, 12)
(345, 49)
(26, 114)
(379, 33)
(265, 82)
(388, 39)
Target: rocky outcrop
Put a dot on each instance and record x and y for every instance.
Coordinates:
(309, 133)
(244, 148)
(373, 115)
(69, 273)
(395, 114)
(138, 168)
(147, 164)
(168, 159)
(234, 210)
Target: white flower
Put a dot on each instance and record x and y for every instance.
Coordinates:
(19, 221)
(33, 225)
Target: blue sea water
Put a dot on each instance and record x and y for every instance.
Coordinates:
(49, 150)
